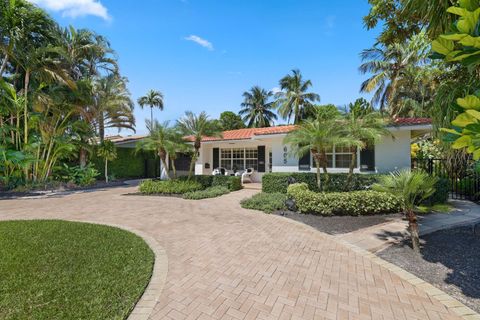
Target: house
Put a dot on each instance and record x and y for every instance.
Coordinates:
(264, 150)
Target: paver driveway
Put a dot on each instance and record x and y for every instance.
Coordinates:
(229, 263)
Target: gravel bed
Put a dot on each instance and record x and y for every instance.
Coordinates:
(450, 260)
(339, 224)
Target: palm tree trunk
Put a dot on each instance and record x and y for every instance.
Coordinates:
(163, 157)
(25, 108)
(101, 127)
(151, 115)
(83, 157)
(106, 170)
(324, 166)
(413, 228)
(4, 65)
(352, 167)
(319, 176)
(174, 169)
(192, 166)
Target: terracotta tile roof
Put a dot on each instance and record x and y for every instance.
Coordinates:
(249, 133)
(411, 121)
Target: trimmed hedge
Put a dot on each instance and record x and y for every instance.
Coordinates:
(128, 164)
(211, 192)
(169, 187)
(278, 181)
(266, 202)
(232, 183)
(354, 203)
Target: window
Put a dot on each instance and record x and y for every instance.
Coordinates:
(339, 157)
(238, 159)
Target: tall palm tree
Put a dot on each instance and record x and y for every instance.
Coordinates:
(197, 127)
(178, 145)
(294, 100)
(362, 129)
(153, 99)
(316, 136)
(412, 187)
(388, 65)
(257, 108)
(160, 139)
(107, 151)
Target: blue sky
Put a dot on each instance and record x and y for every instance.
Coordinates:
(203, 54)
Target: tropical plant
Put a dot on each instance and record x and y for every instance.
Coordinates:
(231, 121)
(196, 127)
(108, 152)
(294, 100)
(153, 99)
(257, 108)
(177, 146)
(412, 187)
(317, 136)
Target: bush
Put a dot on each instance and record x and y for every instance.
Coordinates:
(77, 175)
(232, 183)
(169, 187)
(128, 164)
(204, 180)
(211, 192)
(354, 203)
(442, 190)
(266, 202)
(278, 181)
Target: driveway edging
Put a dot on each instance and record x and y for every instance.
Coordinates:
(444, 298)
(145, 305)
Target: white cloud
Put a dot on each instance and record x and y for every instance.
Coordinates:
(276, 90)
(204, 43)
(75, 8)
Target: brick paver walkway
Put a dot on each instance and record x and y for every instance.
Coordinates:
(229, 263)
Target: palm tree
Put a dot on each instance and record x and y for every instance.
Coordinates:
(160, 139)
(362, 128)
(294, 100)
(388, 67)
(178, 145)
(152, 99)
(197, 127)
(316, 136)
(107, 151)
(412, 187)
(257, 108)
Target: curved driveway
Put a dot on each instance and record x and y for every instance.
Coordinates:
(229, 263)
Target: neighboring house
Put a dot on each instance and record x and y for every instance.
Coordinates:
(264, 150)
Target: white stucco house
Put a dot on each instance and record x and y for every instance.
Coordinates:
(264, 150)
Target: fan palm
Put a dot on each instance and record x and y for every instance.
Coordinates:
(153, 99)
(412, 187)
(107, 151)
(317, 136)
(197, 127)
(257, 108)
(294, 100)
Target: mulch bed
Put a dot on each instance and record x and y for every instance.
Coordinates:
(450, 260)
(338, 224)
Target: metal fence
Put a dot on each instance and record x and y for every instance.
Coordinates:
(463, 178)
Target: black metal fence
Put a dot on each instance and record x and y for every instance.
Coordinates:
(463, 178)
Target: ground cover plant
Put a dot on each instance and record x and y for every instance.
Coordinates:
(266, 202)
(169, 187)
(211, 192)
(70, 270)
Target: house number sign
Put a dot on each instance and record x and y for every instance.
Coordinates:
(285, 155)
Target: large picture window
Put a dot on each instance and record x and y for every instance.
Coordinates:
(340, 157)
(238, 159)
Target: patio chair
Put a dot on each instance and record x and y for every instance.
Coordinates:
(247, 175)
(220, 172)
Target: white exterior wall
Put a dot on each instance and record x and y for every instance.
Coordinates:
(393, 154)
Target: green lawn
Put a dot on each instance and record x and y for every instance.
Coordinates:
(70, 270)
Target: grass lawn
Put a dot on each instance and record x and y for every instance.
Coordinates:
(70, 270)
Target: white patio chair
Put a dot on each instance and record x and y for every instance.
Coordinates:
(247, 175)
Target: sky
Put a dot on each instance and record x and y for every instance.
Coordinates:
(203, 54)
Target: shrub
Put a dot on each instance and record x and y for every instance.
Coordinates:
(278, 181)
(169, 187)
(128, 164)
(354, 203)
(232, 183)
(77, 175)
(266, 202)
(204, 180)
(442, 190)
(211, 192)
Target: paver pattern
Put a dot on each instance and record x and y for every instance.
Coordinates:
(225, 262)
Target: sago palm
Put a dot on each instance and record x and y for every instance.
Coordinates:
(294, 99)
(197, 127)
(153, 99)
(412, 187)
(257, 108)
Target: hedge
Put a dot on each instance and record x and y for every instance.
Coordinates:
(128, 164)
(354, 203)
(231, 182)
(266, 202)
(442, 191)
(278, 181)
(169, 187)
(211, 192)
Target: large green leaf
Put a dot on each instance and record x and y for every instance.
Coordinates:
(454, 36)
(463, 120)
(470, 41)
(458, 11)
(462, 142)
(443, 46)
(474, 113)
(469, 102)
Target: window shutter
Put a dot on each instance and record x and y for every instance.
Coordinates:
(367, 158)
(304, 162)
(261, 158)
(216, 158)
